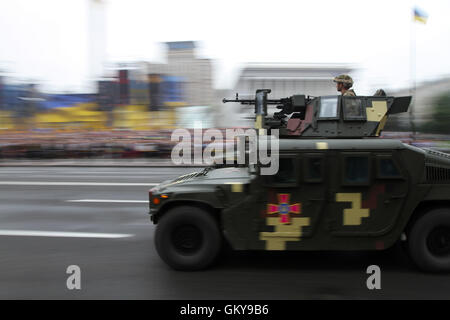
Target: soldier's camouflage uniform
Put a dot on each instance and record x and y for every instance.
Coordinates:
(350, 93)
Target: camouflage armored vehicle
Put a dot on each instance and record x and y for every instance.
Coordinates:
(338, 187)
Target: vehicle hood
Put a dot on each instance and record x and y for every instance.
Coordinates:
(434, 157)
(211, 178)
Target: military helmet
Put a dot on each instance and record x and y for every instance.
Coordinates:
(344, 78)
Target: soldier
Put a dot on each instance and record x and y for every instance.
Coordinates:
(343, 84)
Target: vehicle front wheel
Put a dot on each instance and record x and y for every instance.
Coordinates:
(429, 241)
(188, 238)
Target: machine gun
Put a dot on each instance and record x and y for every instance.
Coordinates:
(294, 104)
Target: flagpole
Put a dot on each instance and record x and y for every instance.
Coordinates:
(412, 88)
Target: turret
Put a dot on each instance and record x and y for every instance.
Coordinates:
(326, 116)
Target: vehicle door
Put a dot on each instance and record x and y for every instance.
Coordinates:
(369, 190)
(292, 200)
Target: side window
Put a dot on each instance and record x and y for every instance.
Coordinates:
(329, 107)
(287, 174)
(313, 168)
(354, 109)
(386, 168)
(356, 169)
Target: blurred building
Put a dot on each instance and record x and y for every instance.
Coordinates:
(194, 73)
(284, 79)
(423, 100)
(184, 81)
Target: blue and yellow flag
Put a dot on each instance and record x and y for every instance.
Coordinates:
(420, 15)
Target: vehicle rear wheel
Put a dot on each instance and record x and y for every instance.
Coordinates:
(429, 241)
(188, 238)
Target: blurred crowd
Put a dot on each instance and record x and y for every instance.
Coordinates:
(78, 145)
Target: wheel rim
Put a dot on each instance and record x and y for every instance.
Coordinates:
(438, 241)
(187, 239)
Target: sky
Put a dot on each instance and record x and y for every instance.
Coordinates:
(47, 40)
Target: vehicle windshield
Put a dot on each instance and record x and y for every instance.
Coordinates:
(231, 159)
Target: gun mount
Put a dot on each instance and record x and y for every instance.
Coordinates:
(325, 116)
(294, 104)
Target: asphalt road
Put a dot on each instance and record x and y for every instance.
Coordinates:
(96, 218)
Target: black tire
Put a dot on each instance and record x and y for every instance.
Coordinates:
(429, 241)
(188, 238)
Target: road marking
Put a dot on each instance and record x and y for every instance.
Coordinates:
(108, 201)
(71, 183)
(63, 234)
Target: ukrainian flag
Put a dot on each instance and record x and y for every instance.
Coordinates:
(420, 15)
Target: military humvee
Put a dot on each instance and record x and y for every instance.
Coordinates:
(338, 187)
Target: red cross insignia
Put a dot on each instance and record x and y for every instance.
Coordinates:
(284, 209)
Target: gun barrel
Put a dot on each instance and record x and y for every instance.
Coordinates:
(243, 101)
(251, 101)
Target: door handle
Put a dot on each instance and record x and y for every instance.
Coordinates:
(394, 197)
(397, 196)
